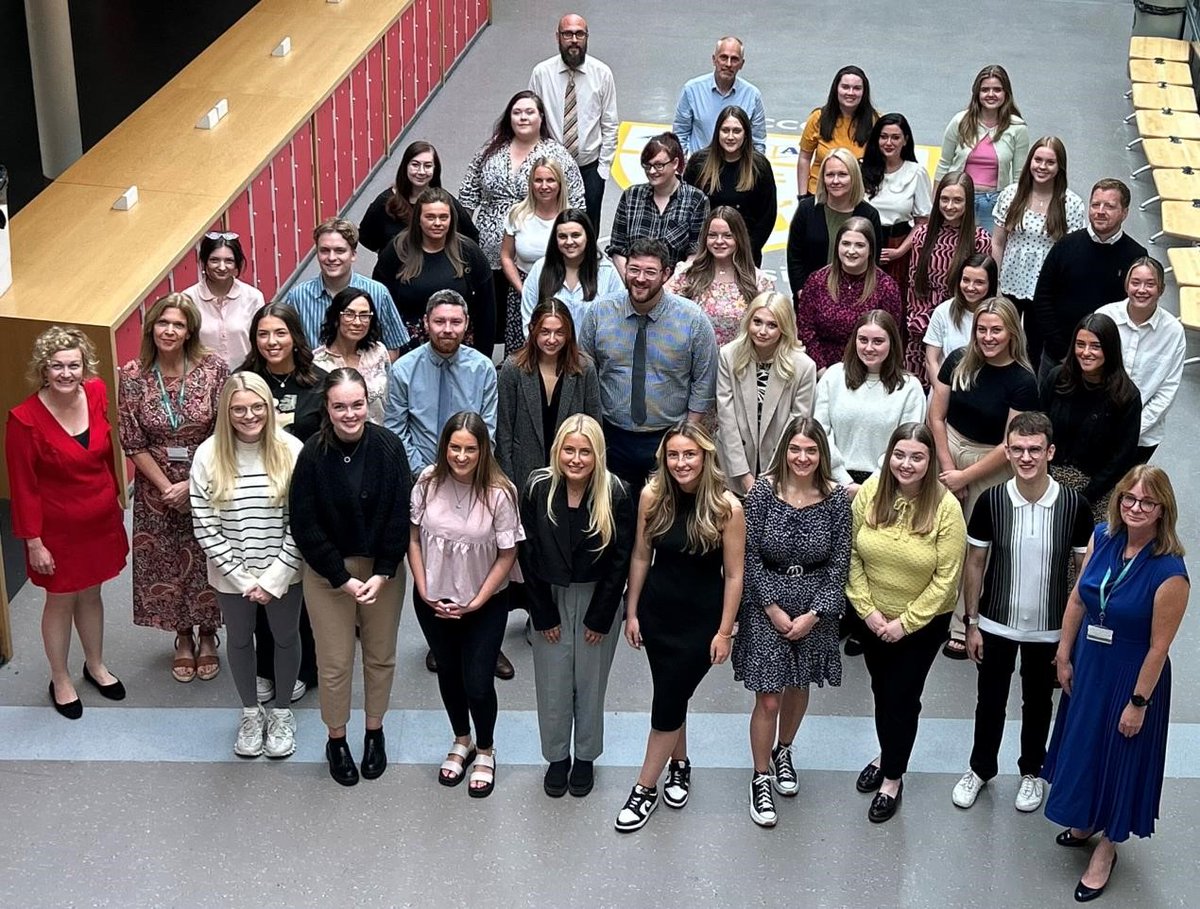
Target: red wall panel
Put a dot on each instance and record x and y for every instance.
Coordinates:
(392, 77)
(360, 116)
(305, 178)
(424, 45)
(261, 250)
(326, 161)
(343, 138)
(237, 219)
(127, 337)
(283, 194)
(182, 276)
(377, 142)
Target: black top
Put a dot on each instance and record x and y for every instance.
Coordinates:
(981, 414)
(553, 555)
(378, 228)
(550, 412)
(808, 239)
(301, 403)
(84, 437)
(577, 521)
(758, 205)
(327, 529)
(1077, 278)
(1092, 434)
(438, 274)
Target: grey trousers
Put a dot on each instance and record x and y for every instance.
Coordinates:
(283, 614)
(571, 679)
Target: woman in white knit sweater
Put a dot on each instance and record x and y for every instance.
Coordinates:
(239, 495)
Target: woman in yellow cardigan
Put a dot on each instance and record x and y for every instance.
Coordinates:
(906, 556)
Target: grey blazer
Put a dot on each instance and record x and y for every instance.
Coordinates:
(520, 442)
(742, 438)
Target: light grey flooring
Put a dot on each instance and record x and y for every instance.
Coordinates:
(142, 804)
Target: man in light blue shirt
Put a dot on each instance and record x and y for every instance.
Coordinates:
(703, 98)
(337, 247)
(429, 385)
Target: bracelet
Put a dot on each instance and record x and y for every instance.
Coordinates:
(722, 634)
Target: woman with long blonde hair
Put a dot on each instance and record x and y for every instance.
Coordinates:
(575, 561)
(685, 585)
(239, 486)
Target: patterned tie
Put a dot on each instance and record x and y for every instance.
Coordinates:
(570, 121)
(637, 395)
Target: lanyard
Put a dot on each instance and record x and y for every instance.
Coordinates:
(175, 419)
(1104, 591)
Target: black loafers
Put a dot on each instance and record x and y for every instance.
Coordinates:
(341, 762)
(72, 710)
(114, 691)
(374, 760)
(504, 667)
(1067, 838)
(870, 779)
(430, 661)
(884, 806)
(582, 779)
(1085, 894)
(555, 781)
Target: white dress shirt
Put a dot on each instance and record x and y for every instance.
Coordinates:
(595, 107)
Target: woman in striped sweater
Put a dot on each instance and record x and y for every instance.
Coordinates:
(239, 495)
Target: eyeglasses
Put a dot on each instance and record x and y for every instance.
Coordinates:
(655, 167)
(633, 271)
(1132, 502)
(577, 34)
(241, 410)
(220, 235)
(1033, 451)
(348, 316)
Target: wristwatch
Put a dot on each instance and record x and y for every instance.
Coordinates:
(1138, 701)
(969, 620)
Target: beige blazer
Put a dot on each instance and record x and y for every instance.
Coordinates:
(742, 438)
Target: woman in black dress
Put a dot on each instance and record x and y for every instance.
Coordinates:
(797, 563)
(685, 583)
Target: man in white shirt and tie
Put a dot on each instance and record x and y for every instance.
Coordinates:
(580, 98)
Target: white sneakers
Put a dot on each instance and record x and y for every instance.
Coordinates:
(280, 738)
(1029, 794)
(249, 743)
(266, 689)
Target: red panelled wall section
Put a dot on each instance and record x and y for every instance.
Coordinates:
(319, 168)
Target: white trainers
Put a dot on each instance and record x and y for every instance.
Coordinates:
(250, 732)
(298, 691)
(1030, 794)
(637, 810)
(281, 734)
(266, 689)
(967, 789)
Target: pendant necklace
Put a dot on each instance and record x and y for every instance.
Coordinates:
(347, 458)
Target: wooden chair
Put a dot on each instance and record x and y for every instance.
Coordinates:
(1185, 264)
(1172, 152)
(1176, 184)
(1173, 73)
(1165, 124)
(1189, 314)
(1161, 49)
(1181, 220)
(1162, 95)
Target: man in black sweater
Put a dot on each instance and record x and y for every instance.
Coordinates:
(1084, 270)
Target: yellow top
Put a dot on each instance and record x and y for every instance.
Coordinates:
(811, 142)
(902, 574)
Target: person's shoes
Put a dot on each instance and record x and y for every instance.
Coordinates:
(870, 779)
(884, 806)
(208, 665)
(374, 760)
(955, 649)
(782, 772)
(504, 667)
(1071, 841)
(72, 710)
(249, 742)
(430, 661)
(341, 762)
(638, 808)
(1085, 894)
(483, 772)
(264, 689)
(555, 782)
(114, 691)
(762, 802)
(280, 738)
(678, 783)
(299, 690)
(1030, 793)
(967, 789)
(582, 779)
(529, 631)
(852, 647)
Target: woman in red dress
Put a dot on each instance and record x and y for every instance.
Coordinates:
(65, 506)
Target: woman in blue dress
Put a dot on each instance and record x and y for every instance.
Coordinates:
(1108, 749)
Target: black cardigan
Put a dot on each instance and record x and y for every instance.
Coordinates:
(808, 239)
(546, 556)
(325, 525)
(378, 228)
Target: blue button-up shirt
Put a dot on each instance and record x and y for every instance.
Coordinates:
(701, 101)
(310, 299)
(413, 395)
(681, 359)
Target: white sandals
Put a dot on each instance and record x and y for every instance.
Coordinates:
(484, 771)
(457, 771)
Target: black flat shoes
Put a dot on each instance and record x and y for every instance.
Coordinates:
(870, 779)
(884, 806)
(114, 691)
(72, 710)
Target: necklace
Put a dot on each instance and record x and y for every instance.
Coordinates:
(282, 382)
(347, 458)
(460, 500)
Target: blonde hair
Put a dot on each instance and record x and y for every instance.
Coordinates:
(1158, 486)
(193, 350)
(600, 511)
(972, 362)
(276, 456)
(857, 191)
(742, 347)
(57, 338)
(707, 521)
(882, 512)
(525, 209)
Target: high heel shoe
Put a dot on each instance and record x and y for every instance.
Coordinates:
(72, 710)
(1085, 894)
(1071, 841)
(114, 691)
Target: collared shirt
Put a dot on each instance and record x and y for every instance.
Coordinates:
(311, 298)
(412, 405)
(1115, 238)
(1031, 544)
(678, 225)
(225, 324)
(681, 359)
(701, 101)
(595, 107)
(1153, 353)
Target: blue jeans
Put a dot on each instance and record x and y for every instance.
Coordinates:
(984, 203)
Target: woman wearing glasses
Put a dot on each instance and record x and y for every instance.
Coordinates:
(226, 303)
(1108, 750)
(351, 336)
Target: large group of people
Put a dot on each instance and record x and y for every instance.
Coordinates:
(938, 441)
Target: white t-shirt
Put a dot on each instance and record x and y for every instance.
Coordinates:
(531, 237)
(943, 333)
(903, 195)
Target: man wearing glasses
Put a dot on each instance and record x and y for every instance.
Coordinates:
(704, 97)
(1023, 537)
(580, 98)
(656, 355)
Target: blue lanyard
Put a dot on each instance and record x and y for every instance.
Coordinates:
(1104, 591)
(175, 419)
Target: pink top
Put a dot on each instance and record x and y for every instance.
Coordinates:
(983, 166)
(225, 322)
(461, 537)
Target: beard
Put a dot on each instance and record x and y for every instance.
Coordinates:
(573, 54)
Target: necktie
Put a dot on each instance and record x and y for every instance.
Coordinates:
(637, 396)
(445, 405)
(570, 121)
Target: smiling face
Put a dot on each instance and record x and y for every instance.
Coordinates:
(974, 284)
(220, 266)
(953, 204)
(275, 344)
(1090, 355)
(1043, 166)
(727, 62)
(435, 222)
(1106, 213)
(447, 326)
(849, 92)
(645, 276)
(764, 332)
(551, 336)
(335, 256)
(660, 170)
(576, 459)
(992, 337)
(346, 405)
(572, 241)
(873, 345)
(462, 455)
(420, 171)
(1139, 509)
(63, 371)
(1029, 456)
(545, 185)
(720, 242)
(803, 457)
(732, 136)
(854, 252)
(1144, 289)
(247, 415)
(909, 462)
(837, 180)
(171, 331)
(685, 461)
(355, 320)
(526, 120)
(991, 94)
(891, 142)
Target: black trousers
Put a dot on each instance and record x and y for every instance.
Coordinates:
(1144, 454)
(631, 455)
(264, 649)
(1033, 331)
(593, 192)
(1037, 702)
(898, 672)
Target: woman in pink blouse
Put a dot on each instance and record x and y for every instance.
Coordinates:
(940, 247)
(351, 336)
(834, 297)
(463, 548)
